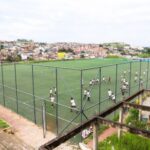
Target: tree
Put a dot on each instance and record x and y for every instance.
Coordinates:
(9, 58)
(1, 47)
(17, 58)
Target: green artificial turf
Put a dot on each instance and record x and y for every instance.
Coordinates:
(69, 85)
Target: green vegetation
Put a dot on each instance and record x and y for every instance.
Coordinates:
(69, 50)
(3, 124)
(113, 56)
(133, 120)
(146, 53)
(127, 141)
(116, 117)
(14, 58)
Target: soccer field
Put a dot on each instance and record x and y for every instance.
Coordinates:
(24, 88)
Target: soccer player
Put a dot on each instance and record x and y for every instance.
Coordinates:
(126, 83)
(97, 80)
(109, 79)
(93, 81)
(141, 78)
(113, 98)
(135, 79)
(52, 100)
(124, 73)
(88, 95)
(123, 89)
(50, 92)
(82, 82)
(90, 83)
(136, 73)
(85, 94)
(109, 93)
(144, 73)
(124, 80)
(73, 104)
(142, 83)
(103, 79)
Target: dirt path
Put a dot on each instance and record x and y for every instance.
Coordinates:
(11, 142)
(26, 131)
(108, 132)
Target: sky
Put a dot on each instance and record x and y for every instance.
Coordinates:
(86, 21)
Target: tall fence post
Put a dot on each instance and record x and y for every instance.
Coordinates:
(44, 119)
(81, 80)
(121, 116)
(140, 75)
(100, 89)
(57, 125)
(116, 81)
(3, 83)
(147, 75)
(95, 136)
(33, 91)
(130, 78)
(16, 86)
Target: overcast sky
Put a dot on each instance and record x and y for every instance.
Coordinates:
(93, 21)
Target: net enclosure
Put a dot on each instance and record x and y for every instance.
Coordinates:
(72, 94)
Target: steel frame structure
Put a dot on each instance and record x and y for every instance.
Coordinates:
(100, 118)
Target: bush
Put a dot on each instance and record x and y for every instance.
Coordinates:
(133, 119)
(127, 141)
(133, 116)
(3, 124)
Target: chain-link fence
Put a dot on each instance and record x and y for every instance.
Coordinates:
(27, 89)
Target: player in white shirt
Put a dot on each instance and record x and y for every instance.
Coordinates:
(90, 83)
(93, 81)
(135, 79)
(124, 80)
(136, 73)
(123, 89)
(141, 78)
(88, 95)
(84, 94)
(97, 81)
(109, 79)
(124, 73)
(82, 82)
(50, 92)
(126, 83)
(52, 100)
(109, 93)
(144, 73)
(142, 83)
(73, 104)
(103, 79)
(113, 97)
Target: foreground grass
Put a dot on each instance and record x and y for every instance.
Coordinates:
(128, 141)
(3, 124)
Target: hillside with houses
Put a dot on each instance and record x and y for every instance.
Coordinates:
(23, 49)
